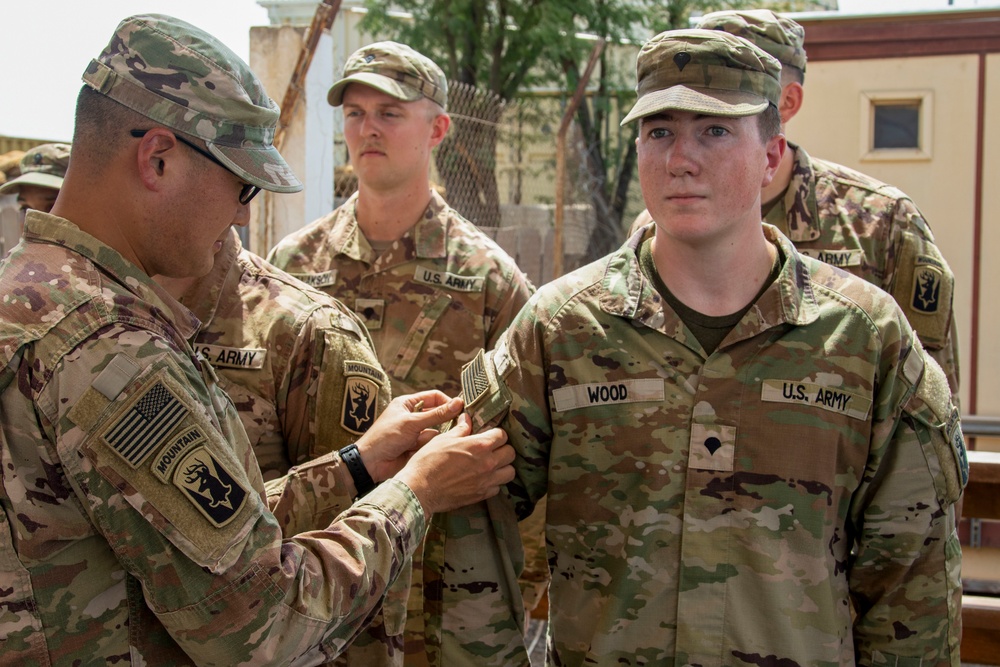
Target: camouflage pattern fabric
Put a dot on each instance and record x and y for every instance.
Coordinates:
(696, 69)
(776, 35)
(788, 500)
(179, 76)
(876, 232)
(430, 302)
(134, 528)
(396, 70)
(298, 365)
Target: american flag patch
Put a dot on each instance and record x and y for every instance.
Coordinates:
(145, 424)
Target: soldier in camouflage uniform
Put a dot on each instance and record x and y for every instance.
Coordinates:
(134, 523)
(42, 171)
(286, 354)
(844, 217)
(430, 287)
(748, 457)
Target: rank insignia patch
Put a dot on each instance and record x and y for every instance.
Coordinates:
(370, 311)
(926, 287)
(360, 399)
(209, 486)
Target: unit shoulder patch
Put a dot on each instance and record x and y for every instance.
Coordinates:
(214, 490)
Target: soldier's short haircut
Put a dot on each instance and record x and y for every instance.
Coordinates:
(769, 123)
(102, 125)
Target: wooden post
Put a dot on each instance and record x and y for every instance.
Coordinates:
(567, 118)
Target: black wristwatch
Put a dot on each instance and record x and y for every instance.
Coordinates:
(363, 482)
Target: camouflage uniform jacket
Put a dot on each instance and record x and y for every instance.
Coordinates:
(430, 302)
(134, 528)
(873, 230)
(728, 509)
(286, 354)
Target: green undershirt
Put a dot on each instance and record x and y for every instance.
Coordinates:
(709, 330)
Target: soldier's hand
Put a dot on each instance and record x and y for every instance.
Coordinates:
(458, 468)
(404, 425)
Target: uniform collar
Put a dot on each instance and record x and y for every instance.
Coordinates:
(796, 214)
(47, 228)
(628, 293)
(428, 236)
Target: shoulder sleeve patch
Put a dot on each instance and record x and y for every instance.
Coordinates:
(157, 448)
(938, 427)
(923, 288)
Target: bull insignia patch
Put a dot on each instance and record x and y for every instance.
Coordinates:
(209, 486)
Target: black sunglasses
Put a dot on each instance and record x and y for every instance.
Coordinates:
(246, 194)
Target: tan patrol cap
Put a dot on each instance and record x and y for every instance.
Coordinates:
(704, 71)
(44, 166)
(396, 70)
(777, 35)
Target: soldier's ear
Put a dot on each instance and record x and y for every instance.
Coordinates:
(792, 96)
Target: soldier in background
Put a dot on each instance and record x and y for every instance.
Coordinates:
(40, 175)
(748, 457)
(844, 217)
(42, 171)
(136, 529)
(298, 365)
(430, 287)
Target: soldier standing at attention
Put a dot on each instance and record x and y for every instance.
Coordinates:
(134, 527)
(748, 457)
(430, 287)
(843, 217)
(298, 365)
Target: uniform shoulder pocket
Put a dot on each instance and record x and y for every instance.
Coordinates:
(938, 425)
(158, 451)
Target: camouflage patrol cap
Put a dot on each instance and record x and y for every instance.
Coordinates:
(396, 70)
(704, 71)
(779, 36)
(181, 77)
(44, 166)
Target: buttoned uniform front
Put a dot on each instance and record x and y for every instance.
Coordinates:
(298, 365)
(134, 523)
(876, 232)
(430, 301)
(730, 508)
